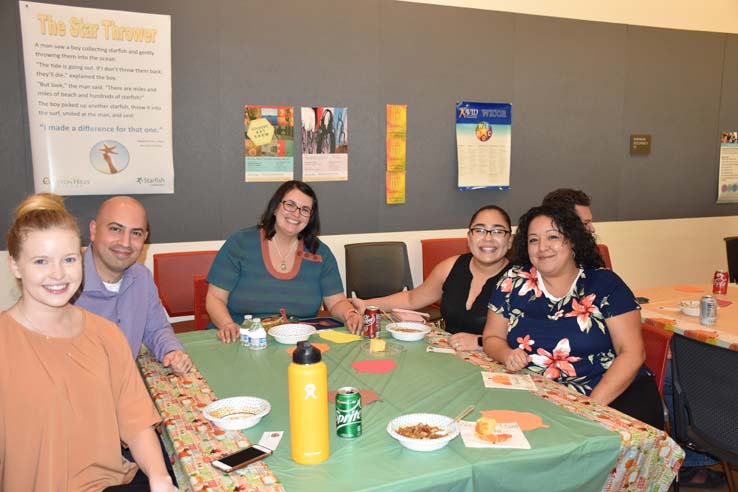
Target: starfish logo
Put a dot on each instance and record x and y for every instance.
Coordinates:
(109, 157)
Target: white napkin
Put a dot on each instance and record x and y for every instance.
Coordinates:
(516, 441)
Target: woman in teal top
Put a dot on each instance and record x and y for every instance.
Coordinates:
(280, 263)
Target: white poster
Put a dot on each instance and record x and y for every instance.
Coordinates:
(99, 92)
(728, 179)
(483, 143)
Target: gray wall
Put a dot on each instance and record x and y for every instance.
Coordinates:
(578, 89)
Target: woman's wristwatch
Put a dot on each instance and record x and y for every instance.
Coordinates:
(480, 341)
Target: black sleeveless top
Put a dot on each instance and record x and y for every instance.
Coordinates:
(456, 292)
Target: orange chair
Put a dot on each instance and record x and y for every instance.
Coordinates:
(202, 319)
(605, 254)
(173, 274)
(437, 250)
(656, 339)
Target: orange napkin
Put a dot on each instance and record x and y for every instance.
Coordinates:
(688, 288)
(376, 366)
(526, 420)
(323, 347)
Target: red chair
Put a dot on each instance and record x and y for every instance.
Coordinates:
(605, 254)
(437, 250)
(656, 340)
(173, 275)
(202, 319)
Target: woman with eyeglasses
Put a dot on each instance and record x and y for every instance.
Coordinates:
(463, 283)
(278, 264)
(560, 314)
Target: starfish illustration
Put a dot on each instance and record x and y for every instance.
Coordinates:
(106, 151)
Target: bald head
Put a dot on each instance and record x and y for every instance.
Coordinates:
(117, 236)
(120, 204)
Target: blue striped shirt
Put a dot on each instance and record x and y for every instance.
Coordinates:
(242, 267)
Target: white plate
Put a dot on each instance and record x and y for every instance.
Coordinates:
(292, 333)
(426, 418)
(390, 349)
(400, 331)
(236, 413)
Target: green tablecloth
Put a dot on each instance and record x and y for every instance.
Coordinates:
(573, 453)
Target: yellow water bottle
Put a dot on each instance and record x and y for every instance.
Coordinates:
(307, 378)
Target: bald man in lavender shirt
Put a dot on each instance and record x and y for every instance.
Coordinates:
(122, 290)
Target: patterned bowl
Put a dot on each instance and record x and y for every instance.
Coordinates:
(239, 412)
(446, 423)
(408, 331)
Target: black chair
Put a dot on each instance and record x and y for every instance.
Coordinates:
(731, 247)
(378, 270)
(705, 379)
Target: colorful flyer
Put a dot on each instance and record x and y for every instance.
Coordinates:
(269, 143)
(324, 144)
(483, 143)
(728, 179)
(396, 137)
(395, 187)
(396, 150)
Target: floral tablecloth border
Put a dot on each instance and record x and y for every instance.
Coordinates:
(196, 441)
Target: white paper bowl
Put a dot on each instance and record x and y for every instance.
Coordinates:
(425, 418)
(419, 331)
(237, 413)
(690, 308)
(292, 333)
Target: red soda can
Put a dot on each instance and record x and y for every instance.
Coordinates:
(371, 321)
(720, 282)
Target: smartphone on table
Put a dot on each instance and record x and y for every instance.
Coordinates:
(241, 458)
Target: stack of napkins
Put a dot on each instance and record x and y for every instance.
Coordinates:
(503, 380)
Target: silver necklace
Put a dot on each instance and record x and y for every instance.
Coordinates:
(283, 263)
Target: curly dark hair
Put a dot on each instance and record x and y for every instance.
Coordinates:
(567, 197)
(491, 207)
(311, 231)
(586, 254)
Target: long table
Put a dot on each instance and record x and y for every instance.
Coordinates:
(663, 310)
(585, 447)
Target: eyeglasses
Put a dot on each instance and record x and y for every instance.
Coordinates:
(481, 233)
(291, 206)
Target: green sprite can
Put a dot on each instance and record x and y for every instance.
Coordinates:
(348, 413)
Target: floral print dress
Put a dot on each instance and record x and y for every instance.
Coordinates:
(567, 338)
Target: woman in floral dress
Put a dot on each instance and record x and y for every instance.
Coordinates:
(560, 314)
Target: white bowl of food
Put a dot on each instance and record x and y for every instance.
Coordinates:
(408, 331)
(237, 413)
(292, 333)
(423, 431)
(690, 308)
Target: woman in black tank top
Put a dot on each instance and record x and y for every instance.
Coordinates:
(463, 284)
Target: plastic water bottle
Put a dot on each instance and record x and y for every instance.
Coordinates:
(307, 378)
(257, 335)
(245, 330)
